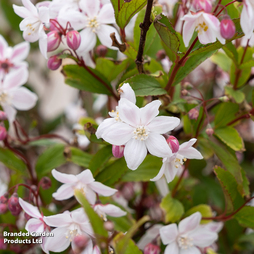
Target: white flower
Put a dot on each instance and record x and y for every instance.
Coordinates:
(68, 225)
(140, 130)
(89, 249)
(172, 163)
(247, 18)
(207, 26)
(12, 58)
(83, 181)
(108, 209)
(12, 95)
(185, 238)
(33, 22)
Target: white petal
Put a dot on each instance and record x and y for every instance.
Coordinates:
(27, 4)
(112, 210)
(190, 223)
(169, 233)
(157, 145)
(89, 248)
(64, 192)
(203, 237)
(64, 178)
(3, 46)
(88, 40)
(127, 93)
(188, 144)
(35, 225)
(170, 171)
(10, 112)
(102, 189)
(58, 220)
(106, 15)
(188, 28)
(163, 124)
(104, 126)
(149, 112)
(16, 78)
(134, 153)
(90, 7)
(160, 174)
(44, 14)
(21, 11)
(162, 186)
(191, 250)
(247, 18)
(104, 32)
(129, 112)
(85, 176)
(20, 51)
(172, 248)
(43, 45)
(90, 195)
(188, 151)
(31, 210)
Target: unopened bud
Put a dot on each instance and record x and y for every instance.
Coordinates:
(3, 116)
(187, 85)
(173, 144)
(4, 198)
(205, 5)
(193, 114)
(73, 39)
(3, 244)
(109, 225)
(3, 208)
(54, 40)
(184, 92)
(3, 133)
(224, 98)
(54, 63)
(117, 151)
(209, 130)
(227, 28)
(161, 54)
(45, 183)
(13, 205)
(101, 50)
(152, 249)
(80, 241)
(128, 190)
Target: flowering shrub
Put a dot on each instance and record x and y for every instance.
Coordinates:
(151, 148)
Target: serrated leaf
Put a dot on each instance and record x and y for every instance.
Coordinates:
(245, 217)
(173, 209)
(230, 137)
(144, 85)
(222, 60)
(78, 77)
(117, 5)
(79, 157)
(205, 210)
(237, 95)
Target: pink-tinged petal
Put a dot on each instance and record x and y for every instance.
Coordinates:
(31, 37)
(129, 112)
(191, 250)
(44, 14)
(91, 8)
(3, 46)
(15, 79)
(162, 187)
(104, 126)
(10, 112)
(90, 195)
(96, 250)
(170, 170)
(35, 225)
(118, 134)
(187, 144)
(43, 45)
(191, 153)
(207, 37)
(190, 223)
(160, 174)
(188, 28)
(58, 220)
(88, 40)
(87, 228)
(134, 153)
(89, 248)
(21, 11)
(104, 32)
(173, 248)
(31, 210)
(102, 189)
(23, 99)
(106, 14)
(79, 215)
(247, 19)
(202, 237)
(149, 112)
(157, 145)
(169, 233)
(85, 177)
(163, 124)
(112, 210)
(59, 242)
(127, 92)
(20, 51)
(214, 226)
(29, 6)
(64, 178)
(64, 192)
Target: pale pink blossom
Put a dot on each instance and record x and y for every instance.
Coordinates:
(247, 18)
(205, 5)
(84, 182)
(187, 236)
(207, 26)
(90, 249)
(108, 209)
(173, 163)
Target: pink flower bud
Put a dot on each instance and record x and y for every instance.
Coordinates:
(45, 183)
(101, 50)
(209, 131)
(205, 5)
(13, 204)
(161, 54)
(3, 245)
(4, 199)
(227, 28)
(3, 116)
(54, 40)
(118, 151)
(54, 63)
(128, 191)
(80, 241)
(193, 114)
(173, 144)
(73, 39)
(3, 133)
(3, 208)
(109, 225)
(152, 249)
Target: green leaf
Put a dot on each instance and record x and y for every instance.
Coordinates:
(43, 142)
(173, 209)
(225, 114)
(51, 158)
(205, 148)
(231, 9)
(248, 64)
(100, 159)
(222, 60)
(230, 137)
(11, 161)
(237, 95)
(245, 217)
(95, 220)
(144, 85)
(128, 10)
(229, 185)
(147, 170)
(117, 5)
(79, 157)
(82, 79)
(205, 210)
(112, 173)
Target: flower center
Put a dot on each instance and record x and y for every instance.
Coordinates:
(3, 97)
(185, 242)
(202, 27)
(179, 161)
(141, 133)
(33, 28)
(93, 23)
(71, 234)
(115, 114)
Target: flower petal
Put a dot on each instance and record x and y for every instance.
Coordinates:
(88, 40)
(173, 248)
(102, 189)
(20, 51)
(106, 15)
(149, 112)
(91, 8)
(15, 79)
(163, 124)
(127, 92)
(35, 225)
(58, 220)
(188, 28)
(160, 174)
(112, 210)
(31, 210)
(29, 6)
(188, 151)
(169, 233)
(3, 46)
(21, 11)
(85, 177)
(64, 192)
(43, 45)
(191, 250)
(10, 112)
(104, 126)
(170, 171)
(104, 32)
(190, 223)
(203, 237)
(64, 178)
